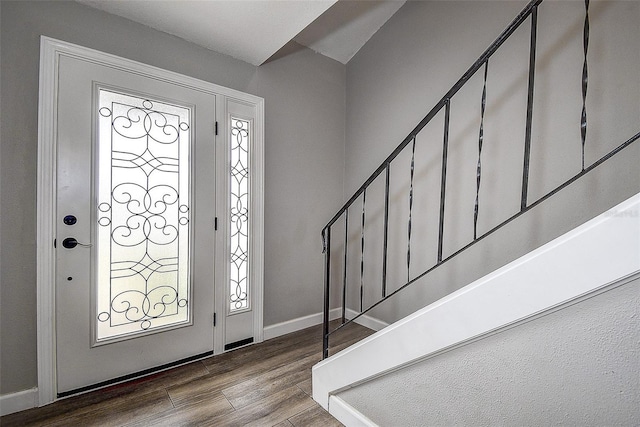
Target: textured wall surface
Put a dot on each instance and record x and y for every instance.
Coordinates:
(304, 147)
(575, 366)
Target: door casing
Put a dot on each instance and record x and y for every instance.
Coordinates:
(50, 52)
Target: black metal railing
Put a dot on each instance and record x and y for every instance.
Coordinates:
(530, 12)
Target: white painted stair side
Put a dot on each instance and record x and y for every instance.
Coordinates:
(593, 255)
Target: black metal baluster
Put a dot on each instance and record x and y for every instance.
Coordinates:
(527, 133)
(326, 240)
(585, 42)
(344, 271)
(443, 180)
(386, 232)
(364, 201)
(413, 155)
(480, 141)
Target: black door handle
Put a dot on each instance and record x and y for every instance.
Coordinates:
(71, 242)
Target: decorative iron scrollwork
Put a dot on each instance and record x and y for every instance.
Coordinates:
(483, 105)
(585, 79)
(143, 214)
(239, 214)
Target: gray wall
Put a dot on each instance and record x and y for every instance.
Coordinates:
(304, 146)
(409, 64)
(305, 98)
(559, 369)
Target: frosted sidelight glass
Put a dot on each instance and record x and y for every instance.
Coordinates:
(239, 214)
(143, 216)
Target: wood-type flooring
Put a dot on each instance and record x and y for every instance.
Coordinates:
(266, 384)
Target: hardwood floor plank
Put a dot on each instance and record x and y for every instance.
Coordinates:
(227, 361)
(119, 411)
(264, 390)
(348, 334)
(233, 374)
(115, 411)
(268, 411)
(161, 380)
(266, 351)
(306, 386)
(194, 414)
(314, 417)
(270, 382)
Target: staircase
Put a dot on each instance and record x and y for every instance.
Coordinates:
(596, 256)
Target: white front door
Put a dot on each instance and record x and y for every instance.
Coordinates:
(136, 208)
(150, 187)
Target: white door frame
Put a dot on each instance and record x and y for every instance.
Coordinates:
(50, 52)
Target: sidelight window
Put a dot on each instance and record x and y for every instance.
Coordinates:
(239, 214)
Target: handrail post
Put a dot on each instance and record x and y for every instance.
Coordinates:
(326, 239)
(344, 270)
(364, 204)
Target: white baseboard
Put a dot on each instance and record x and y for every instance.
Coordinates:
(16, 402)
(294, 325)
(347, 414)
(367, 321)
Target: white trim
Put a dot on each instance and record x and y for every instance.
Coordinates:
(16, 402)
(50, 52)
(257, 219)
(367, 321)
(221, 246)
(595, 255)
(46, 203)
(293, 325)
(347, 414)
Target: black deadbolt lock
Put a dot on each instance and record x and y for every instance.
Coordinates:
(69, 220)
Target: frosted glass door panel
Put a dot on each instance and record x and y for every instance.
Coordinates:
(143, 206)
(240, 133)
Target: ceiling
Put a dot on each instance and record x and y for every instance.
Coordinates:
(256, 30)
